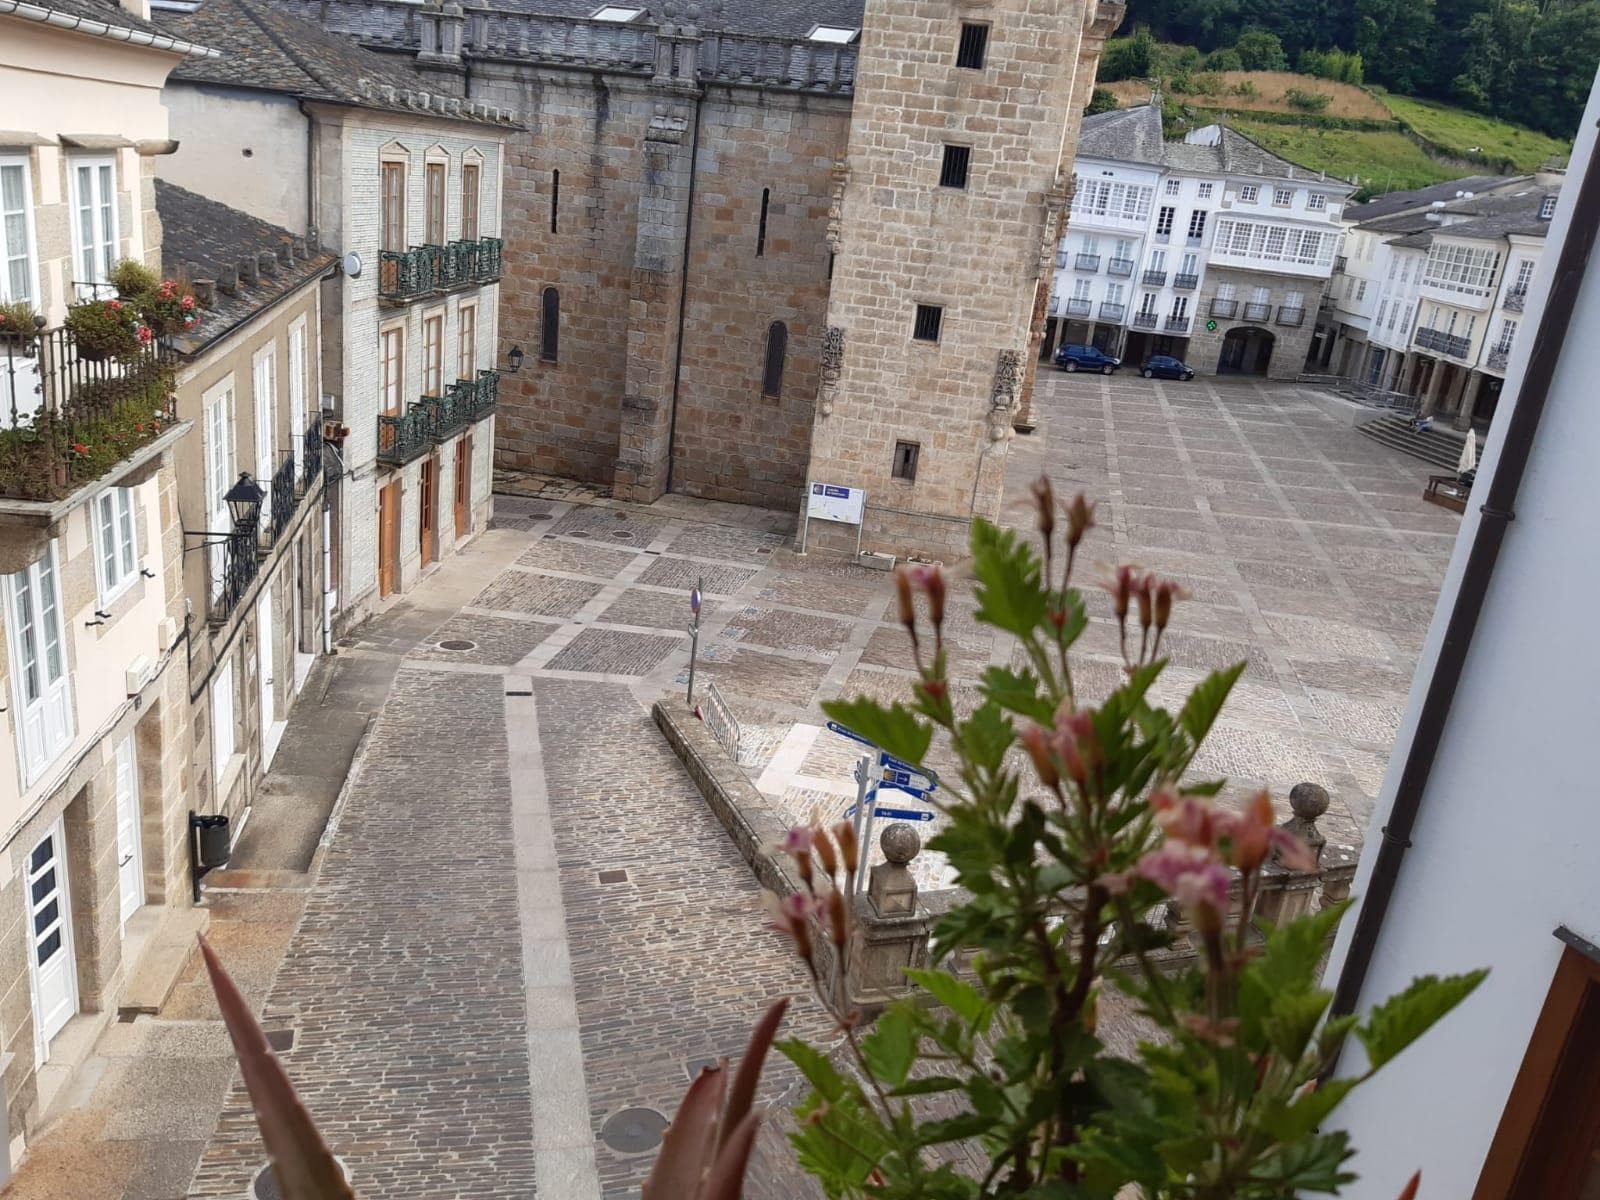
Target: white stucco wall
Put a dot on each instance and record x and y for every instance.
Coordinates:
(247, 149)
(1506, 842)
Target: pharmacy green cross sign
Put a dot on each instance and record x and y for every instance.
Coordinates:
(1211, 326)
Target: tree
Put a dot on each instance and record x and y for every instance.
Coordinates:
(1259, 50)
(1395, 40)
(1102, 100)
(1129, 57)
(1226, 59)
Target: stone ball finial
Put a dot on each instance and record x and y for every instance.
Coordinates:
(900, 843)
(1308, 800)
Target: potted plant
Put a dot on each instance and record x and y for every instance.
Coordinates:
(170, 308)
(19, 322)
(132, 279)
(103, 329)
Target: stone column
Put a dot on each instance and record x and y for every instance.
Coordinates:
(1430, 398)
(891, 928)
(1057, 201)
(1470, 392)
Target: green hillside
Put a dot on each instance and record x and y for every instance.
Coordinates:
(1382, 160)
(1473, 136)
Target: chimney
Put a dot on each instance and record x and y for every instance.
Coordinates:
(299, 249)
(204, 290)
(139, 8)
(227, 279)
(286, 254)
(267, 263)
(247, 272)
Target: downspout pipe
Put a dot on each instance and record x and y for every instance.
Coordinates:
(1498, 510)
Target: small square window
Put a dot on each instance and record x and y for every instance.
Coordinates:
(835, 34)
(1281, 197)
(1174, 187)
(616, 12)
(953, 172)
(905, 460)
(1205, 191)
(1317, 202)
(1249, 194)
(974, 45)
(929, 318)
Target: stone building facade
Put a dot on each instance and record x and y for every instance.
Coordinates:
(690, 202)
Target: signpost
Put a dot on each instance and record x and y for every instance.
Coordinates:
(882, 771)
(694, 633)
(833, 502)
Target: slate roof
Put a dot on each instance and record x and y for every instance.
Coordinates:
(762, 18)
(199, 236)
(1397, 202)
(120, 21)
(1491, 217)
(1135, 135)
(269, 50)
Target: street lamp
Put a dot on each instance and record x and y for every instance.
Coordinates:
(244, 501)
(515, 358)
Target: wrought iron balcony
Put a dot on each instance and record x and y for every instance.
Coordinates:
(1144, 320)
(240, 563)
(486, 394)
(1112, 312)
(1339, 263)
(1077, 308)
(456, 265)
(1186, 283)
(1291, 316)
(1061, 260)
(405, 275)
(1177, 324)
(1516, 299)
(450, 413)
(69, 413)
(1120, 267)
(282, 501)
(1257, 312)
(1499, 356)
(487, 263)
(1445, 343)
(405, 437)
(311, 468)
(1154, 279)
(1087, 262)
(1225, 309)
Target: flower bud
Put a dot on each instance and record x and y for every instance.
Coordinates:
(823, 845)
(902, 590)
(838, 918)
(1044, 497)
(929, 578)
(1080, 519)
(1037, 743)
(1141, 589)
(845, 834)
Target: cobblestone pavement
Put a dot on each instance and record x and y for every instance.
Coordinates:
(529, 930)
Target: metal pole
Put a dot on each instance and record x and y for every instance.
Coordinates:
(694, 634)
(865, 840)
(863, 790)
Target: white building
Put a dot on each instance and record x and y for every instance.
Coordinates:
(1210, 249)
(1488, 843)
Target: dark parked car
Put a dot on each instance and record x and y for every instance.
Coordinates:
(1164, 366)
(1073, 357)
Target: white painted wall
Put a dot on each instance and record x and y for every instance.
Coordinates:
(247, 149)
(1506, 843)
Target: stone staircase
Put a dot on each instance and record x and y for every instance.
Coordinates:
(1439, 446)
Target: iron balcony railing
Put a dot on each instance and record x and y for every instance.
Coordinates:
(450, 413)
(240, 564)
(1087, 262)
(407, 274)
(1226, 309)
(282, 500)
(1112, 312)
(456, 263)
(1257, 312)
(1154, 279)
(1445, 343)
(1291, 316)
(1186, 283)
(487, 262)
(70, 412)
(1177, 324)
(404, 437)
(1120, 267)
(1078, 308)
(311, 467)
(1516, 299)
(1499, 356)
(1061, 260)
(486, 394)
(422, 271)
(1144, 320)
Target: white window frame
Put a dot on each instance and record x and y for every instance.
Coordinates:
(1249, 193)
(1206, 188)
(116, 542)
(44, 724)
(1317, 202)
(1173, 187)
(467, 341)
(298, 392)
(104, 251)
(433, 353)
(392, 370)
(224, 721)
(1282, 197)
(218, 437)
(264, 394)
(27, 252)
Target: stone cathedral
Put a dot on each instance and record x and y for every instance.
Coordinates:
(752, 244)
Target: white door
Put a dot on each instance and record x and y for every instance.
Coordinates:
(302, 660)
(130, 859)
(271, 727)
(55, 976)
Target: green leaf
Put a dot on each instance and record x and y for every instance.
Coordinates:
(986, 736)
(927, 1086)
(1200, 710)
(959, 996)
(1209, 787)
(1290, 1123)
(1290, 963)
(1403, 1018)
(1010, 594)
(955, 1129)
(1307, 1164)
(819, 1072)
(895, 729)
(1293, 1019)
(1018, 691)
(891, 1047)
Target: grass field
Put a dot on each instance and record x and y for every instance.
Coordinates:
(1271, 94)
(1383, 161)
(1457, 131)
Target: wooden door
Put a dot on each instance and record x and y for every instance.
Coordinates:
(464, 486)
(389, 540)
(430, 497)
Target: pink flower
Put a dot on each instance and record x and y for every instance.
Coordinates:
(114, 305)
(1188, 819)
(929, 578)
(1121, 583)
(145, 335)
(1075, 743)
(1251, 836)
(1037, 743)
(188, 302)
(791, 916)
(1190, 874)
(798, 840)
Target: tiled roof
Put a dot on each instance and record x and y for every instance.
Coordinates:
(1398, 202)
(1491, 218)
(1135, 135)
(118, 23)
(762, 18)
(201, 238)
(270, 50)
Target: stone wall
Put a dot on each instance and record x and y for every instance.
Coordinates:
(1290, 345)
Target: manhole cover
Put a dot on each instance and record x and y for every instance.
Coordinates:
(579, 533)
(265, 1185)
(632, 1131)
(622, 535)
(458, 644)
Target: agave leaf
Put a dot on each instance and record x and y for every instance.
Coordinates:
(743, 1092)
(690, 1141)
(304, 1166)
(726, 1181)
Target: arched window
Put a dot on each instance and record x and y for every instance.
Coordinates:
(550, 339)
(777, 348)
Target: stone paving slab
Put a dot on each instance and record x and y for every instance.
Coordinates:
(547, 595)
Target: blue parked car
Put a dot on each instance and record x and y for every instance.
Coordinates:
(1164, 366)
(1072, 357)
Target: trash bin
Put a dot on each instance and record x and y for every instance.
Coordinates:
(214, 841)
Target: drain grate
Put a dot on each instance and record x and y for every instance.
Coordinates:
(458, 644)
(615, 875)
(633, 1130)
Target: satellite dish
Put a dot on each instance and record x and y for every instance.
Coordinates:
(352, 265)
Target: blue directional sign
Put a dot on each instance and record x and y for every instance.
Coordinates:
(905, 814)
(845, 731)
(927, 773)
